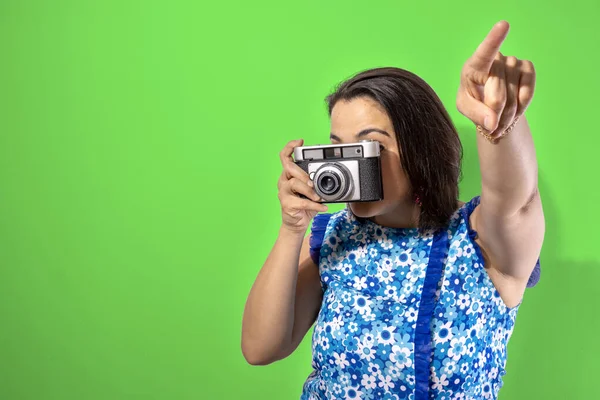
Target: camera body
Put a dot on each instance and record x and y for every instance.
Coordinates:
(343, 173)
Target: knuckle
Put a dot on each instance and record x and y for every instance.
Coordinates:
(496, 102)
(304, 204)
(285, 186)
(469, 73)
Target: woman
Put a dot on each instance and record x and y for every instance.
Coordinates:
(414, 296)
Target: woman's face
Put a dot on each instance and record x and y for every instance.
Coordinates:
(363, 118)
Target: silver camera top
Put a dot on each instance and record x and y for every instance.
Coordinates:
(362, 149)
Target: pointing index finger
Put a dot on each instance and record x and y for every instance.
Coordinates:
(483, 57)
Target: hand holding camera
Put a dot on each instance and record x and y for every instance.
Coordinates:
(337, 173)
(299, 201)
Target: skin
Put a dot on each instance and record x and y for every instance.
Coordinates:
(363, 118)
(494, 90)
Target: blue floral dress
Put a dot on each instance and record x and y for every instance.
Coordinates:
(406, 314)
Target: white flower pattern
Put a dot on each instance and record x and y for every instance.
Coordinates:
(363, 340)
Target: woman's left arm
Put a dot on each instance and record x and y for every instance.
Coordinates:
(494, 93)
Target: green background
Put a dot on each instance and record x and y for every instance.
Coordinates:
(138, 166)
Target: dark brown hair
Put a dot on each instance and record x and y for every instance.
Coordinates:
(430, 149)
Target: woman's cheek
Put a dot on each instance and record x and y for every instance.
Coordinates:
(393, 178)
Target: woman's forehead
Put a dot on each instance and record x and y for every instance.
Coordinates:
(350, 117)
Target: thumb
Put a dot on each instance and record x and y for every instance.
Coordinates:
(478, 112)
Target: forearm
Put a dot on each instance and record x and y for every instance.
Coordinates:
(509, 171)
(268, 319)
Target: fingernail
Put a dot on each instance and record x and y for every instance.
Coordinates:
(310, 184)
(487, 123)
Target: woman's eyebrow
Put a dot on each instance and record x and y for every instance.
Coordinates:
(360, 134)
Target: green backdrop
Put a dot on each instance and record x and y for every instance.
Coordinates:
(139, 149)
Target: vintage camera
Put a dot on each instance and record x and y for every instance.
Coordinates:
(343, 173)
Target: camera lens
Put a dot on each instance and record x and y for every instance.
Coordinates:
(329, 182)
(333, 182)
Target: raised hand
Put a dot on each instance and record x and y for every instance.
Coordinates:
(495, 90)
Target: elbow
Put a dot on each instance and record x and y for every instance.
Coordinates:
(258, 362)
(260, 357)
(255, 358)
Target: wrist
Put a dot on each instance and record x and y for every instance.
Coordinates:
(494, 137)
(286, 232)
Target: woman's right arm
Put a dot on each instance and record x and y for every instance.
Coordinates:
(286, 296)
